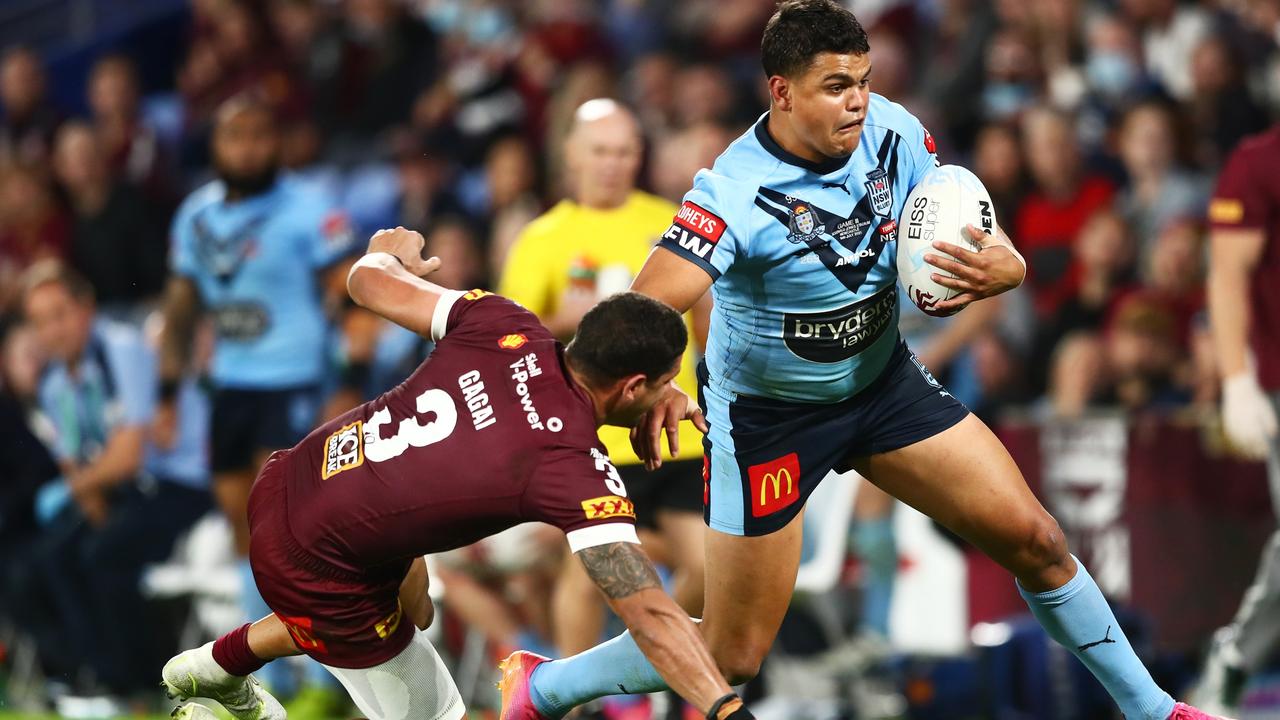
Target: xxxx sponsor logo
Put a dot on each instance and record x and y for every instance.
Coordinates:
(774, 484)
(302, 630)
(608, 506)
(476, 294)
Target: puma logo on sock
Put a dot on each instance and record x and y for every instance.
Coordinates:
(1106, 639)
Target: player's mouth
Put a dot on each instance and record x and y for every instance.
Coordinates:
(851, 127)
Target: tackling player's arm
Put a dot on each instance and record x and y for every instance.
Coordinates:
(388, 280)
(663, 632)
(680, 284)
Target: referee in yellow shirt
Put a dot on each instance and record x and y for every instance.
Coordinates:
(583, 249)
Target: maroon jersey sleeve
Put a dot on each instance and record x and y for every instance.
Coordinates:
(1240, 200)
(580, 492)
(476, 313)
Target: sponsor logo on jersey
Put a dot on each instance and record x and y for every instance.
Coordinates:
(804, 225)
(477, 399)
(1226, 210)
(836, 335)
(514, 341)
(387, 626)
(476, 294)
(695, 229)
(608, 506)
(879, 192)
(301, 628)
(775, 485)
(929, 143)
(337, 231)
(343, 450)
(888, 229)
(522, 371)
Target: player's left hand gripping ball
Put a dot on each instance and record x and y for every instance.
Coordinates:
(992, 270)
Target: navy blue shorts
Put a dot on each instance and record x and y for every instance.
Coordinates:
(246, 422)
(765, 456)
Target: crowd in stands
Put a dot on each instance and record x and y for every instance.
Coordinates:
(1098, 126)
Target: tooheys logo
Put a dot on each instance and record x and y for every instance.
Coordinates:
(836, 335)
(695, 229)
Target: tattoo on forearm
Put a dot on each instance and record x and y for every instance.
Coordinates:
(619, 569)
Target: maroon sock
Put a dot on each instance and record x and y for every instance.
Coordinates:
(232, 652)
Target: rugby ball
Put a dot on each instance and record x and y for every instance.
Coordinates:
(938, 208)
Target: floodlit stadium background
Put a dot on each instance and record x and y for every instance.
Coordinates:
(1098, 127)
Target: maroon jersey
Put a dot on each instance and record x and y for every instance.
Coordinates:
(1248, 197)
(489, 432)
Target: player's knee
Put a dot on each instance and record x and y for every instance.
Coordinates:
(1044, 546)
(741, 662)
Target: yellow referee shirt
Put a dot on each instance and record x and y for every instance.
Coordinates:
(572, 243)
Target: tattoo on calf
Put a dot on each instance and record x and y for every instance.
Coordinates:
(619, 569)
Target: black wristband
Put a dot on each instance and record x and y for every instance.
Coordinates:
(714, 712)
(356, 375)
(168, 390)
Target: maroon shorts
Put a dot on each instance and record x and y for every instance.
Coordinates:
(339, 617)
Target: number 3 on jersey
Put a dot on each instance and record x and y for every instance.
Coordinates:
(411, 433)
(612, 479)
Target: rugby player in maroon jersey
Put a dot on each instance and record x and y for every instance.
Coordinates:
(497, 427)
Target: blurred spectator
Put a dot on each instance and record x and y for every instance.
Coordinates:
(1104, 257)
(462, 262)
(117, 241)
(384, 58)
(997, 161)
(32, 226)
(1063, 198)
(1013, 76)
(26, 128)
(507, 198)
(583, 249)
(951, 74)
(1146, 360)
(1158, 189)
(703, 93)
(1170, 31)
(131, 149)
(647, 86)
(1078, 376)
(680, 155)
(121, 503)
(1222, 109)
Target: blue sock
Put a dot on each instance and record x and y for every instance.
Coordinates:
(874, 544)
(1078, 617)
(611, 668)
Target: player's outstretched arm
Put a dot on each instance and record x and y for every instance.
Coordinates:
(670, 278)
(663, 632)
(388, 280)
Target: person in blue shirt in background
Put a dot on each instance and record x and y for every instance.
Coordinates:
(120, 503)
(261, 254)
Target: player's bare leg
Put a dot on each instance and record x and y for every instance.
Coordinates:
(685, 536)
(965, 479)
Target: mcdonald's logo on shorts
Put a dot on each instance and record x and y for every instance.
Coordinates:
(774, 484)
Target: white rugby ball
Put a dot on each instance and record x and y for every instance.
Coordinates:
(938, 208)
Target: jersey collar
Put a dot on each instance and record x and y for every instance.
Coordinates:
(766, 140)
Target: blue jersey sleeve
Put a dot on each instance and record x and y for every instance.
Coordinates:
(699, 232)
(134, 367)
(921, 148)
(182, 256)
(332, 237)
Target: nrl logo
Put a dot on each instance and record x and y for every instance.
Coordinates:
(803, 225)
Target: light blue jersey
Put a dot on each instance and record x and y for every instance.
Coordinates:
(803, 255)
(255, 263)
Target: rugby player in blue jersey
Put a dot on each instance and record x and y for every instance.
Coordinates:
(794, 232)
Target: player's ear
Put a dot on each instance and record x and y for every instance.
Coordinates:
(631, 387)
(780, 92)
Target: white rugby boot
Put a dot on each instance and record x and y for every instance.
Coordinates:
(195, 674)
